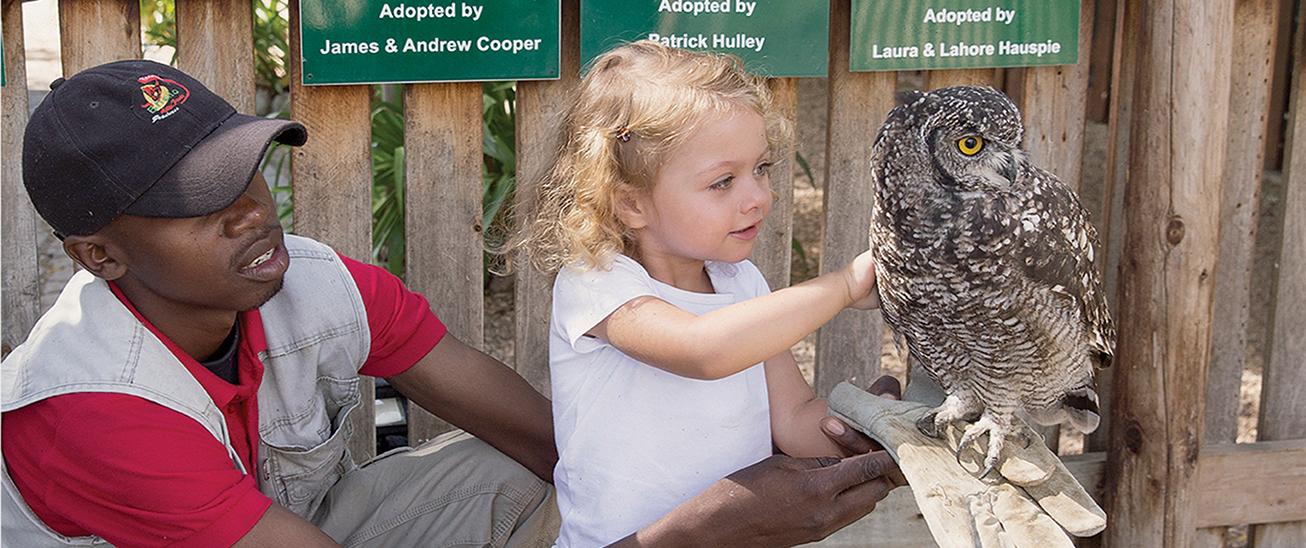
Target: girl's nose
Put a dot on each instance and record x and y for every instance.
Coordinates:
(759, 194)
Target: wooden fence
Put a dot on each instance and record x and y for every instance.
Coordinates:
(1196, 95)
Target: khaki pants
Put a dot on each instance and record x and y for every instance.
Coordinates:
(454, 490)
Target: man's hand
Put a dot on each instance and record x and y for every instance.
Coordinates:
(779, 502)
(853, 440)
(784, 501)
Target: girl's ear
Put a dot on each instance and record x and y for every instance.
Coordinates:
(631, 207)
(90, 253)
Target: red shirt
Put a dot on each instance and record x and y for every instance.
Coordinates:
(139, 474)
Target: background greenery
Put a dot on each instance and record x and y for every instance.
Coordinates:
(271, 36)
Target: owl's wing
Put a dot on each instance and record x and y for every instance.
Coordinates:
(1057, 248)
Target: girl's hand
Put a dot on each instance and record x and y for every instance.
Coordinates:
(860, 277)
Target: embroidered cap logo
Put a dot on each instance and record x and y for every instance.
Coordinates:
(162, 96)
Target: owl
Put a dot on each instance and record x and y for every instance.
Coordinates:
(985, 269)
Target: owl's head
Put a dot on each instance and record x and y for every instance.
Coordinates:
(970, 136)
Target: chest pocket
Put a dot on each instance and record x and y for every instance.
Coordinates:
(317, 339)
(306, 451)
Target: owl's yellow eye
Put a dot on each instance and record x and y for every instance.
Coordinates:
(970, 145)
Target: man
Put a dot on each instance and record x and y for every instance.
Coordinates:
(191, 386)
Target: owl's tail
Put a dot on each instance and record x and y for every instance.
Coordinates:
(1078, 407)
(1081, 408)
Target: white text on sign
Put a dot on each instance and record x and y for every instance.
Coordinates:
(695, 7)
(431, 11)
(961, 17)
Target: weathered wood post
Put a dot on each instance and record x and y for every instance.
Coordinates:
(21, 285)
(1252, 75)
(332, 182)
(539, 109)
(1283, 386)
(442, 151)
(773, 252)
(1167, 277)
(93, 33)
(215, 45)
(849, 346)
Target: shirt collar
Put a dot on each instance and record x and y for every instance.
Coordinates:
(252, 342)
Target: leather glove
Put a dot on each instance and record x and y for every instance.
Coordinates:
(1030, 501)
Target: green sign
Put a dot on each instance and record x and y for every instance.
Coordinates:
(374, 41)
(948, 34)
(777, 39)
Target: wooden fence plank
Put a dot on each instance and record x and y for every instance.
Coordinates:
(1111, 224)
(1263, 482)
(18, 265)
(935, 79)
(332, 186)
(1101, 60)
(773, 250)
(848, 347)
(442, 151)
(1276, 126)
(1255, 36)
(92, 32)
(1283, 387)
(215, 45)
(540, 105)
(1166, 281)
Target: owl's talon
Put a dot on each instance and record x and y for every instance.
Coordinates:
(994, 447)
(927, 425)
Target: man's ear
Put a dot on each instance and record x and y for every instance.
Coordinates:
(90, 252)
(631, 207)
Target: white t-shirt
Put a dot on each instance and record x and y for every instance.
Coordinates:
(635, 441)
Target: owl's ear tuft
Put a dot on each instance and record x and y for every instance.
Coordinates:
(908, 97)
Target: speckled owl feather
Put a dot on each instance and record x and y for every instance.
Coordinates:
(985, 267)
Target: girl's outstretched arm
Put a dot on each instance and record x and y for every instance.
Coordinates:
(796, 412)
(730, 339)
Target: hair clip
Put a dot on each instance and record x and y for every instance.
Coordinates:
(623, 133)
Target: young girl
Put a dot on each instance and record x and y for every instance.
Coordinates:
(669, 356)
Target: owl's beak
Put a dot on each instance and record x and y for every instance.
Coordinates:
(1010, 169)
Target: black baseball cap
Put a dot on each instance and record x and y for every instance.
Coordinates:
(142, 138)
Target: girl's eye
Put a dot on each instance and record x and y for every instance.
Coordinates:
(763, 168)
(970, 145)
(723, 183)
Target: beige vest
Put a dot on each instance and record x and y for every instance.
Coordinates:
(318, 338)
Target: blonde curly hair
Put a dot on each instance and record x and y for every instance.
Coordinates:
(636, 105)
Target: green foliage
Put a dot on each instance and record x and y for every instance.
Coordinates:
(498, 170)
(271, 45)
(499, 131)
(388, 186)
(159, 24)
(801, 273)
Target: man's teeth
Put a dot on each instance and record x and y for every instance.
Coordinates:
(261, 258)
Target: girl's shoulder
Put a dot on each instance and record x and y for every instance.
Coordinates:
(619, 270)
